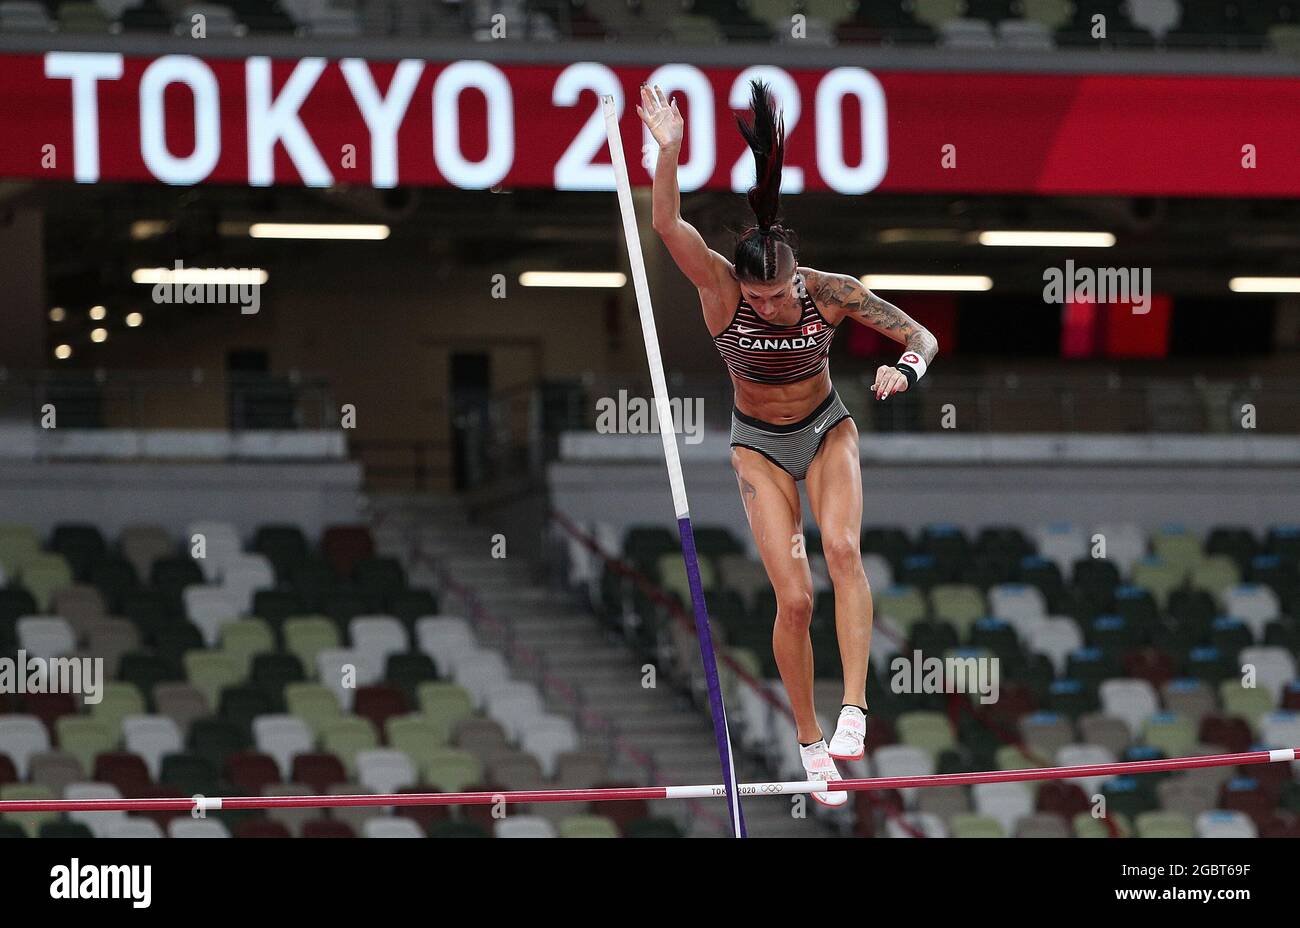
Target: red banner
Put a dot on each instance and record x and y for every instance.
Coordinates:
(96, 116)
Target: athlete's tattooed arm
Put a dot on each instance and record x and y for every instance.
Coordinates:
(839, 295)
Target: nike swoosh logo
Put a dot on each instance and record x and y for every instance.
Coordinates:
(817, 428)
(744, 331)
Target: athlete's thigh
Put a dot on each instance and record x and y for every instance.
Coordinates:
(835, 483)
(771, 502)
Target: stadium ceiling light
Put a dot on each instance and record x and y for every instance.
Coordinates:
(134, 319)
(922, 236)
(927, 282)
(63, 352)
(1024, 239)
(99, 336)
(199, 275)
(612, 279)
(143, 229)
(1264, 285)
(320, 230)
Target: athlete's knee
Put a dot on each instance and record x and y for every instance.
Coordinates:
(794, 609)
(843, 554)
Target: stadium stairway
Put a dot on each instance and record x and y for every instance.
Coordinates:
(435, 540)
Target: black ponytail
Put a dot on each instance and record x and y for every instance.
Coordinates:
(757, 250)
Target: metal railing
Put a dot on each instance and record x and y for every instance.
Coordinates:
(162, 399)
(1065, 403)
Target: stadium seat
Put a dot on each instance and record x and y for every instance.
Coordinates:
(45, 636)
(197, 828)
(101, 824)
(152, 737)
(134, 828)
(975, 826)
(524, 826)
(21, 736)
(346, 737)
(84, 738)
(1220, 824)
(282, 737)
(391, 828)
(385, 770)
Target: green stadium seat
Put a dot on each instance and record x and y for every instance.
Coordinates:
(1159, 577)
(1215, 574)
(19, 544)
(901, 606)
(313, 703)
(245, 639)
(1178, 547)
(30, 823)
(1086, 826)
(452, 770)
(85, 738)
(1158, 824)
(306, 636)
(210, 672)
(975, 826)
(118, 700)
(587, 826)
(43, 575)
(1173, 735)
(346, 736)
(930, 731)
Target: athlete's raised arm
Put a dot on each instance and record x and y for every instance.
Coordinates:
(840, 296)
(697, 261)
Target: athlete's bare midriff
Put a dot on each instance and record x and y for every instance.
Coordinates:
(782, 403)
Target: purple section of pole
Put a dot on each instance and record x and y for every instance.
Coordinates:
(711, 674)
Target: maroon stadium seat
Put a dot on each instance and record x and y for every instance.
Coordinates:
(879, 733)
(49, 707)
(261, 828)
(625, 811)
(124, 770)
(1062, 798)
(250, 771)
(1256, 802)
(1279, 824)
(319, 771)
(481, 815)
(424, 816)
(1150, 664)
(1230, 731)
(162, 817)
(1272, 777)
(343, 546)
(380, 703)
(327, 828)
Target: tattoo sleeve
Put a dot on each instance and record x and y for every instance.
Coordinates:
(849, 297)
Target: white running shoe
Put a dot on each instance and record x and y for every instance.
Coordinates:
(850, 733)
(818, 765)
